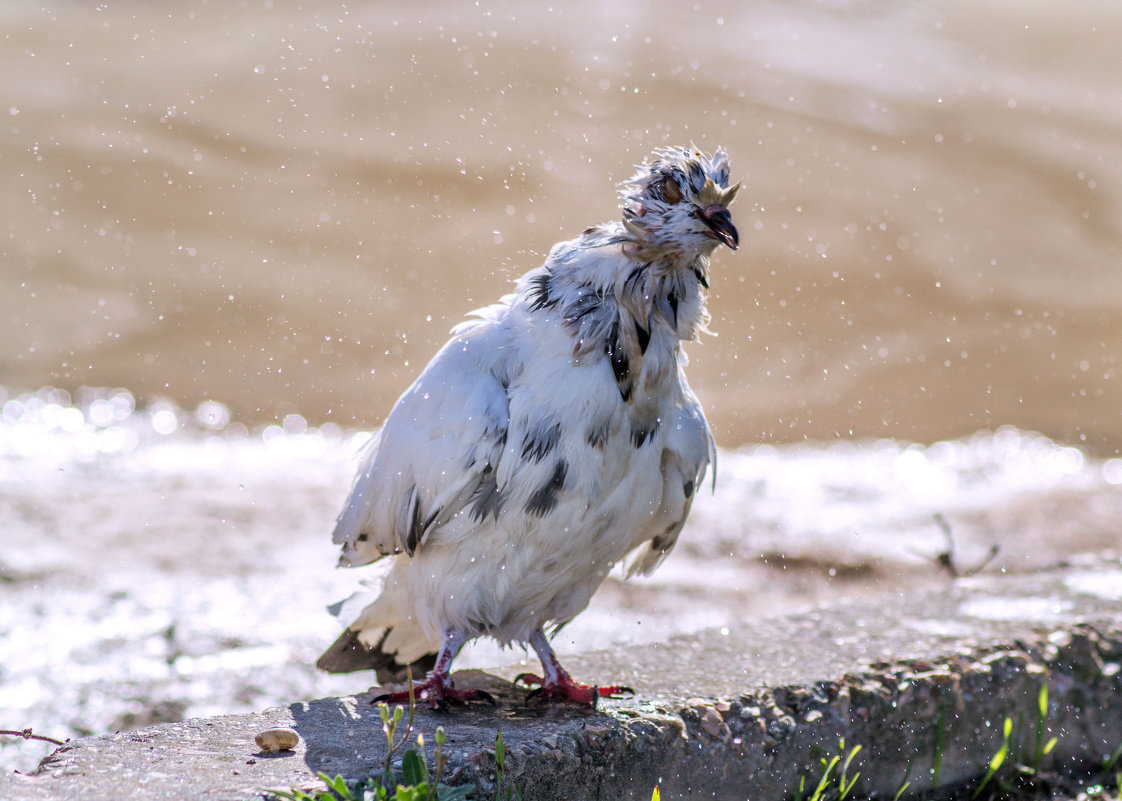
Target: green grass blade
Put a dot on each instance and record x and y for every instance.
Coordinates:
(1113, 759)
(845, 789)
(849, 759)
(940, 737)
(998, 759)
(820, 791)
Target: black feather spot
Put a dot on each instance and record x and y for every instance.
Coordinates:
(597, 434)
(644, 337)
(701, 278)
(621, 365)
(540, 439)
(416, 530)
(672, 299)
(643, 434)
(544, 499)
(487, 500)
(687, 488)
(588, 301)
(541, 292)
(634, 276)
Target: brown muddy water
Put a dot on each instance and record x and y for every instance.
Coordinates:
(232, 233)
(286, 207)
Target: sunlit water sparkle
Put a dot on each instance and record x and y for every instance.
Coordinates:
(160, 562)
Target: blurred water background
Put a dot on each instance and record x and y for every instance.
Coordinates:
(232, 233)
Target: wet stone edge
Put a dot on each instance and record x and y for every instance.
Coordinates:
(911, 718)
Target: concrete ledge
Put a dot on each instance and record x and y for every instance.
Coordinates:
(739, 713)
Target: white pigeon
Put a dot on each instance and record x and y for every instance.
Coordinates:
(553, 436)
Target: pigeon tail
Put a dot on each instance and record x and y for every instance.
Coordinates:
(351, 653)
(379, 638)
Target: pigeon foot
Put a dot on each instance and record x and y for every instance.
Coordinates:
(566, 689)
(437, 692)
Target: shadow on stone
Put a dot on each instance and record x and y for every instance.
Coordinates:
(343, 736)
(274, 755)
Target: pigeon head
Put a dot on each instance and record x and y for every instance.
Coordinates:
(677, 204)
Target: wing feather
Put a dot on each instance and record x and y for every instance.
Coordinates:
(442, 439)
(689, 451)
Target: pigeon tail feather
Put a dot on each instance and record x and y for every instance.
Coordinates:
(350, 654)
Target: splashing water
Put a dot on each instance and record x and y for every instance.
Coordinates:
(158, 562)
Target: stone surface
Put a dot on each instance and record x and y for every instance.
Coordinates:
(922, 683)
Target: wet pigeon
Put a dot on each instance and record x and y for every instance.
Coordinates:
(552, 438)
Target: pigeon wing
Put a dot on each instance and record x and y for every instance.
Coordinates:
(689, 451)
(436, 453)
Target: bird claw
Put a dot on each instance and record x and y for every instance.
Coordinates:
(614, 690)
(569, 690)
(438, 694)
(528, 678)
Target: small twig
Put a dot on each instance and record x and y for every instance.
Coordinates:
(408, 723)
(389, 726)
(946, 559)
(27, 734)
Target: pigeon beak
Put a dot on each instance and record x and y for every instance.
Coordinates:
(720, 225)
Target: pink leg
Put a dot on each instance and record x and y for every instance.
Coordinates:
(437, 689)
(557, 682)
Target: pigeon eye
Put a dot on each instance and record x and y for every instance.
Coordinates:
(670, 191)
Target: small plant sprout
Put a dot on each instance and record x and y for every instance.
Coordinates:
(1113, 763)
(500, 764)
(940, 746)
(1041, 748)
(439, 761)
(389, 727)
(831, 775)
(998, 759)
(335, 789)
(820, 791)
(844, 787)
(416, 782)
(1013, 773)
